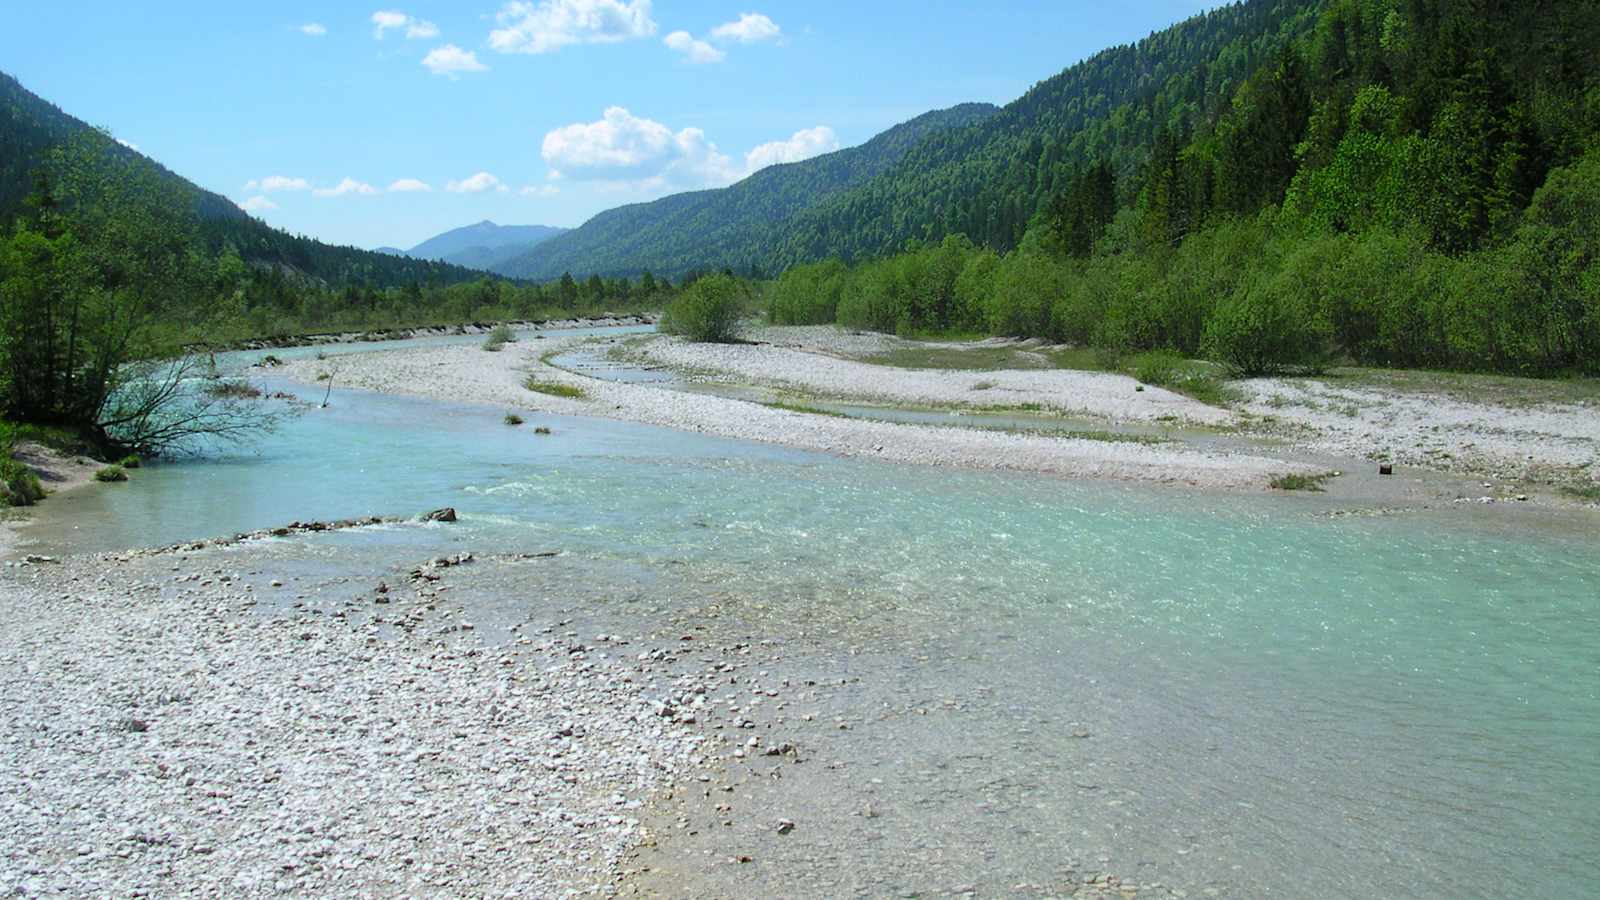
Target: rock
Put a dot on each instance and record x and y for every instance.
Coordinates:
(784, 826)
(447, 514)
(1385, 469)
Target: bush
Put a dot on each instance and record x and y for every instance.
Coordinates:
(1259, 331)
(708, 311)
(498, 338)
(111, 474)
(130, 461)
(1159, 367)
(18, 485)
(234, 390)
(513, 419)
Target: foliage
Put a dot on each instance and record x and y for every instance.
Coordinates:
(110, 474)
(553, 388)
(1297, 482)
(131, 461)
(513, 419)
(498, 338)
(708, 310)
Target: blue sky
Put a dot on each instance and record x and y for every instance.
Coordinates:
(383, 123)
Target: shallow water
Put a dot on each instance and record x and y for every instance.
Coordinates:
(1280, 701)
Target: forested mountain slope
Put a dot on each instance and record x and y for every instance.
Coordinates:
(31, 126)
(727, 226)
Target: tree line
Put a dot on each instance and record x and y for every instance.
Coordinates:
(1410, 182)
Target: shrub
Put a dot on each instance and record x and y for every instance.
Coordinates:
(498, 338)
(18, 485)
(111, 474)
(513, 419)
(541, 430)
(1159, 367)
(553, 389)
(1261, 330)
(130, 461)
(234, 390)
(708, 311)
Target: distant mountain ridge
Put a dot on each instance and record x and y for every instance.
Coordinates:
(483, 245)
(713, 227)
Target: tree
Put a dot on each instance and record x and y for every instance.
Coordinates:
(108, 252)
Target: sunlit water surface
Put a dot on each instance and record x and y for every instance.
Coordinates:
(1282, 701)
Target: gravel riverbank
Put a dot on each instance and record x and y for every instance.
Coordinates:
(202, 723)
(467, 374)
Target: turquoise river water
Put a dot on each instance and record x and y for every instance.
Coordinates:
(1284, 702)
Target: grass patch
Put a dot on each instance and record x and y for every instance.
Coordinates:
(1312, 483)
(129, 462)
(554, 389)
(111, 474)
(513, 419)
(962, 359)
(1112, 437)
(541, 430)
(803, 408)
(1589, 492)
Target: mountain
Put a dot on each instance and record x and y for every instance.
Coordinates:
(484, 245)
(31, 126)
(721, 226)
(973, 169)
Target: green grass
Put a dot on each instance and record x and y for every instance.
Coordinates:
(1300, 482)
(111, 474)
(803, 408)
(1504, 390)
(129, 462)
(513, 419)
(553, 389)
(964, 359)
(1111, 437)
(1589, 492)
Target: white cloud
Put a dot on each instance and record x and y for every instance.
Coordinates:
(549, 25)
(273, 183)
(129, 144)
(257, 203)
(315, 29)
(476, 184)
(802, 144)
(409, 186)
(347, 186)
(749, 28)
(384, 19)
(696, 50)
(624, 147)
(540, 190)
(450, 61)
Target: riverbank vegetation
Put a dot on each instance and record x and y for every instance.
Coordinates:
(1411, 184)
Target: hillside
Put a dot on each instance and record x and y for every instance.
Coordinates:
(972, 170)
(484, 245)
(725, 226)
(30, 126)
